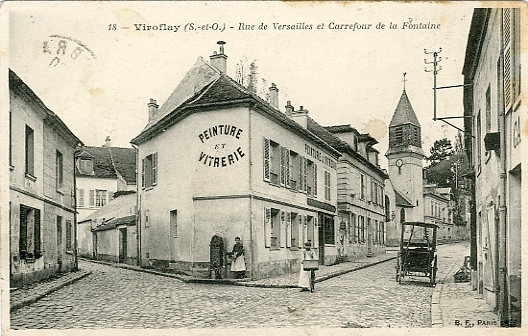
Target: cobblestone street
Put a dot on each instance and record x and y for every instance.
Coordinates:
(119, 298)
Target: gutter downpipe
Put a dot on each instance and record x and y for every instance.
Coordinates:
(138, 210)
(75, 257)
(251, 243)
(503, 269)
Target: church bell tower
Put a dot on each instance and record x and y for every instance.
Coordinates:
(405, 156)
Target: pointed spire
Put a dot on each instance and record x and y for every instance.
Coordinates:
(404, 113)
(404, 80)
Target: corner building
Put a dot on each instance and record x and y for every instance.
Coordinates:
(215, 160)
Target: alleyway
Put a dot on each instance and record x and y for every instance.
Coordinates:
(118, 298)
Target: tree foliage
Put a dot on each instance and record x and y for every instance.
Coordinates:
(248, 76)
(441, 150)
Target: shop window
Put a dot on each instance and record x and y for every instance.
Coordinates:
(29, 241)
(329, 230)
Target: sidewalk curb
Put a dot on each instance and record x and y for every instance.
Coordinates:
(35, 298)
(138, 269)
(320, 279)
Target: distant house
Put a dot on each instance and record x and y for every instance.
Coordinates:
(110, 232)
(42, 185)
(102, 171)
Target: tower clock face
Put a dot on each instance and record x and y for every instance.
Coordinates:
(399, 163)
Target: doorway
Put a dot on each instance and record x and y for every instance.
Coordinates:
(59, 242)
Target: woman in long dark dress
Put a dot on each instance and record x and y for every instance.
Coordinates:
(239, 262)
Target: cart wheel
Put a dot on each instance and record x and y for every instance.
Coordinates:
(433, 271)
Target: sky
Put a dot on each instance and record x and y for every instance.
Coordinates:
(100, 80)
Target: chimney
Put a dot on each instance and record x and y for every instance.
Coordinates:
(108, 141)
(289, 109)
(274, 96)
(153, 108)
(301, 116)
(219, 60)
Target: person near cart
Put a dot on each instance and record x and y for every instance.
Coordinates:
(238, 265)
(304, 276)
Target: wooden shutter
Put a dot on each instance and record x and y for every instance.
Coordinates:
(300, 230)
(267, 227)
(143, 165)
(287, 166)
(315, 242)
(282, 160)
(506, 22)
(22, 243)
(282, 229)
(305, 229)
(305, 171)
(37, 230)
(301, 173)
(315, 180)
(266, 153)
(154, 168)
(288, 230)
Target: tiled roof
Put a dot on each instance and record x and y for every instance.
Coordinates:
(404, 113)
(341, 129)
(113, 223)
(221, 91)
(402, 200)
(124, 160)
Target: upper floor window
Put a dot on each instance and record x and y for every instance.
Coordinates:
(149, 171)
(311, 178)
(327, 185)
(30, 151)
(59, 174)
(362, 186)
(80, 197)
(100, 197)
(86, 166)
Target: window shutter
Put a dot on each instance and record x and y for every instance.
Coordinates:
(267, 227)
(291, 172)
(315, 242)
(305, 229)
(92, 197)
(266, 160)
(300, 230)
(506, 22)
(38, 244)
(305, 171)
(282, 160)
(143, 165)
(154, 168)
(282, 229)
(288, 230)
(22, 243)
(315, 180)
(301, 173)
(287, 166)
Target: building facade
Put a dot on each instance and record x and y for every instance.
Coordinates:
(438, 207)
(361, 194)
(42, 188)
(493, 110)
(217, 162)
(110, 233)
(101, 172)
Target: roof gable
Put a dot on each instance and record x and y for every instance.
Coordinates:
(404, 113)
(199, 76)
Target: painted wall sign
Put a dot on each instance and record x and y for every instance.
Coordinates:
(223, 140)
(316, 154)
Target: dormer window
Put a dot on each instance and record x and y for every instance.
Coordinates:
(85, 166)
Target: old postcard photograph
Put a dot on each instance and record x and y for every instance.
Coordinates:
(262, 167)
